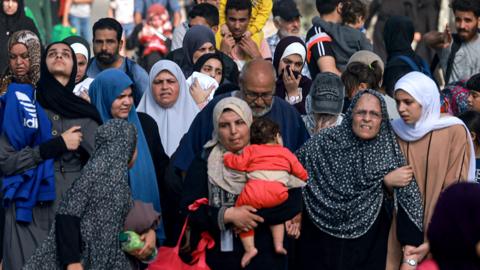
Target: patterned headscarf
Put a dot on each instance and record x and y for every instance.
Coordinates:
(32, 42)
(100, 199)
(344, 192)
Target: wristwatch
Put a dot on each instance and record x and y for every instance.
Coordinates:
(411, 262)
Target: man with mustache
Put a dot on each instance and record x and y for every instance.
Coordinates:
(458, 53)
(107, 35)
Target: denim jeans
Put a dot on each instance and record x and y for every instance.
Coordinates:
(128, 29)
(82, 25)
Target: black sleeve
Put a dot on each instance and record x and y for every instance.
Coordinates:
(53, 148)
(132, 40)
(195, 186)
(159, 158)
(68, 239)
(407, 232)
(286, 211)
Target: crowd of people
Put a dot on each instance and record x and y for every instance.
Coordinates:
(324, 151)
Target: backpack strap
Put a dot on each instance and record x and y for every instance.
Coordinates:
(414, 66)
(457, 43)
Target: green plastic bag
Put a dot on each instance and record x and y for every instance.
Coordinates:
(61, 32)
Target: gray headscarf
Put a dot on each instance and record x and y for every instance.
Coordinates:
(194, 38)
(344, 192)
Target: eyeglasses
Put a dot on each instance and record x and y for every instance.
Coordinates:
(266, 97)
(364, 113)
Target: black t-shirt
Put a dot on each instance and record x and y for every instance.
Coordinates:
(318, 44)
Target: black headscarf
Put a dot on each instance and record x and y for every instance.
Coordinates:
(204, 58)
(10, 24)
(54, 96)
(398, 36)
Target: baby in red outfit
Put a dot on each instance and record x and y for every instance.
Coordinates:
(269, 167)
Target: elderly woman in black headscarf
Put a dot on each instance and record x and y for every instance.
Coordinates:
(12, 19)
(288, 60)
(356, 171)
(398, 36)
(51, 158)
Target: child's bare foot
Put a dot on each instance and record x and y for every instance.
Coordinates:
(280, 250)
(248, 256)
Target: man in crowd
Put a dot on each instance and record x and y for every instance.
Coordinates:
(240, 47)
(320, 56)
(107, 35)
(459, 53)
(286, 19)
(201, 14)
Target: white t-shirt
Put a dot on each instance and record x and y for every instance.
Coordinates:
(123, 10)
(80, 10)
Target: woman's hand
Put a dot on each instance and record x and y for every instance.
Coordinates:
(75, 266)
(293, 226)
(399, 177)
(291, 83)
(198, 94)
(242, 217)
(72, 138)
(418, 252)
(85, 96)
(149, 238)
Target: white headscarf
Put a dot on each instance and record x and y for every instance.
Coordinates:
(172, 122)
(295, 48)
(425, 91)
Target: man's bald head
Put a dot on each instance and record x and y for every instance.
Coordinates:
(257, 83)
(258, 68)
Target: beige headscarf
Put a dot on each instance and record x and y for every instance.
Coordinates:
(229, 180)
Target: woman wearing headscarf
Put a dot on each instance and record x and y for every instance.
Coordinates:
(453, 231)
(111, 93)
(169, 102)
(12, 19)
(50, 158)
(356, 172)
(24, 51)
(211, 64)
(206, 77)
(288, 60)
(197, 42)
(82, 51)
(207, 178)
(438, 148)
(23, 68)
(97, 205)
(398, 36)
